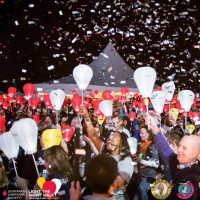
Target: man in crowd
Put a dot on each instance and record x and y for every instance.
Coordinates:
(101, 176)
(183, 165)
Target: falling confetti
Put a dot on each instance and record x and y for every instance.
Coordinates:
(58, 35)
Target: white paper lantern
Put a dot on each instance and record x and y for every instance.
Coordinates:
(9, 145)
(168, 88)
(106, 107)
(145, 78)
(186, 98)
(57, 98)
(158, 100)
(82, 75)
(25, 132)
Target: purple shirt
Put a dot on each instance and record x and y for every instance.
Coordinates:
(164, 149)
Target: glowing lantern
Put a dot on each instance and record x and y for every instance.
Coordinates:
(57, 98)
(132, 115)
(107, 95)
(168, 88)
(124, 91)
(96, 106)
(67, 133)
(1, 99)
(25, 132)
(12, 91)
(158, 101)
(106, 107)
(76, 102)
(186, 98)
(28, 90)
(51, 137)
(18, 98)
(33, 103)
(145, 78)
(82, 75)
(9, 145)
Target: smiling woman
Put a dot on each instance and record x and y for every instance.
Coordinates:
(116, 145)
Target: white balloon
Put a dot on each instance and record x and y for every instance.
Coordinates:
(158, 100)
(25, 132)
(57, 98)
(58, 184)
(145, 78)
(168, 88)
(186, 98)
(82, 75)
(9, 145)
(106, 107)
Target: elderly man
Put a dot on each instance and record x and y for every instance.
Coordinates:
(183, 165)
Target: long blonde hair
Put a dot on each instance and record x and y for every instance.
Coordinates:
(57, 158)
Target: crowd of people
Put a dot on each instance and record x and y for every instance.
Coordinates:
(120, 159)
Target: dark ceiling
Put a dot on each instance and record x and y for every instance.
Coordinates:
(44, 40)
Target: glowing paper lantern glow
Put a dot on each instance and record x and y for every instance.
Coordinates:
(145, 78)
(106, 107)
(12, 91)
(47, 100)
(158, 101)
(174, 112)
(5, 105)
(190, 128)
(25, 132)
(82, 75)
(186, 98)
(28, 89)
(132, 115)
(107, 95)
(18, 98)
(33, 103)
(76, 102)
(51, 137)
(9, 146)
(1, 99)
(96, 106)
(67, 133)
(124, 91)
(168, 88)
(57, 98)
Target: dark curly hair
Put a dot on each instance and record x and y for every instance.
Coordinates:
(125, 149)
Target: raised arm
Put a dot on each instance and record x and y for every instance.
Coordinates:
(90, 129)
(163, 147)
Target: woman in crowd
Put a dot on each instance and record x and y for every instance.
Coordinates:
(148, 162)
(49, 118)
(118, 125)
(116, 145)
(57, 165)
(127, 123)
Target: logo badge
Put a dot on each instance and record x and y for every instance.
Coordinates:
(185, 190)
(50, 188)
(161, 189)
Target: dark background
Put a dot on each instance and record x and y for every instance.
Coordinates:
(37, 34)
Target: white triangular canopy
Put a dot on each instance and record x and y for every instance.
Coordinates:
(109, 71)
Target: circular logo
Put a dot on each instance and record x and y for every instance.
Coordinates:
(160, 189)
(185, 190)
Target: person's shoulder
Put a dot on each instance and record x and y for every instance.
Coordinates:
(126, 159)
